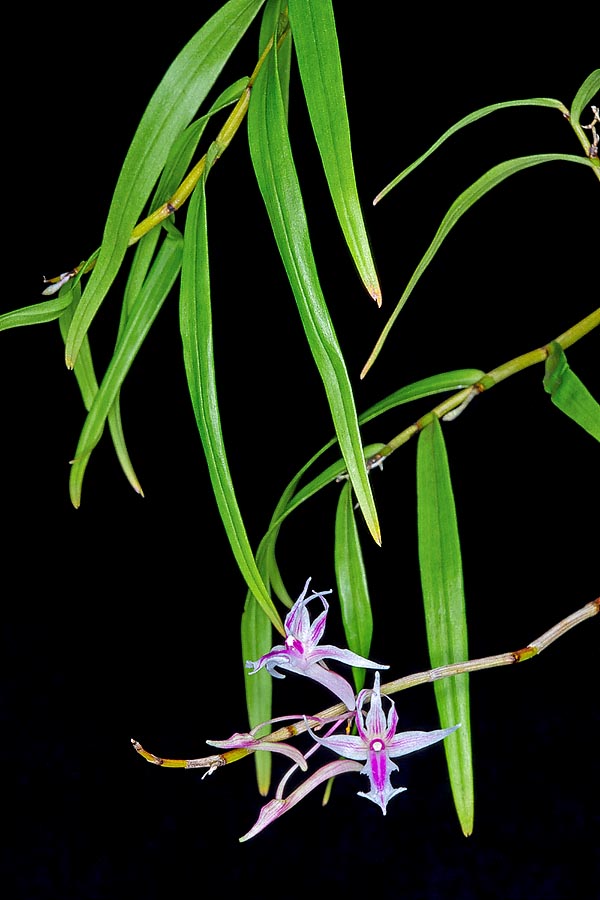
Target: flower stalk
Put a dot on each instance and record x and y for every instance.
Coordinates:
(372, 750)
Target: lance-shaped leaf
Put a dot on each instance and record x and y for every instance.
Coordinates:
(257, 639)
(257, 633)
(569, 393)
(37, 313)
(460, 206)
(276, 175)
(462, 123)
(198, 356)
(320, 66)
(185, 85)
(444, 603)
(88, 386)
(351, 579)
(150, 300)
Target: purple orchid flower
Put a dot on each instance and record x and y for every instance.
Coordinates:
(377, 742)
(301, 653)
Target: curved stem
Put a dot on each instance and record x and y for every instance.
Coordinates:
(532, 649)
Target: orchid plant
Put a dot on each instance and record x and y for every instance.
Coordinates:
(376, 741)
(160, 207)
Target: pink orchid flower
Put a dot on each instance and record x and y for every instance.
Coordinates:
(302, 654)
(377, 742)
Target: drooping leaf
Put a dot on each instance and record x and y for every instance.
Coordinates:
(88, 386)
(198, 355)
(37, 313)
(460, 206)
(320, 66)
(425, 387)
(150, 300)
(444, 603)
(467, 120)
(352, 586)
(257, 639)
(278, 182)
(568, 392)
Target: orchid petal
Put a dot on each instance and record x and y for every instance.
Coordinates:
(348, 745)
(409, 741)
(376, 724)
(297, 621)
(328, 651)
(269, 812)
(332, 681)
(276, 807)
(318, 626)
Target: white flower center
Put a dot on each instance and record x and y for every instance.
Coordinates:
(377, 745)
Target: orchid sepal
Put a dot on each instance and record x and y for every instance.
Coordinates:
(278, 806)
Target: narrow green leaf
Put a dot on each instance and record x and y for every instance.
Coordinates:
(444, 603)
(257, 633)
(88, 387)
(278, 182)
(425, 387)
(468, 120)
(198, 355)
(273, 22)
(320, 66)
(156, 288)
(460, 206)
(179, 158)
(257, 639)
(568, 392)
(37, 313)
(351, 579)
(185, 85)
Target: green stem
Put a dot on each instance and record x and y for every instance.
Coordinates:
(454, 405)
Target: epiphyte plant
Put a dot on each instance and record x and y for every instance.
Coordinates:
(160, 209)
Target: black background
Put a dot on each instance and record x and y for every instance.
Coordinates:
(121, 619)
